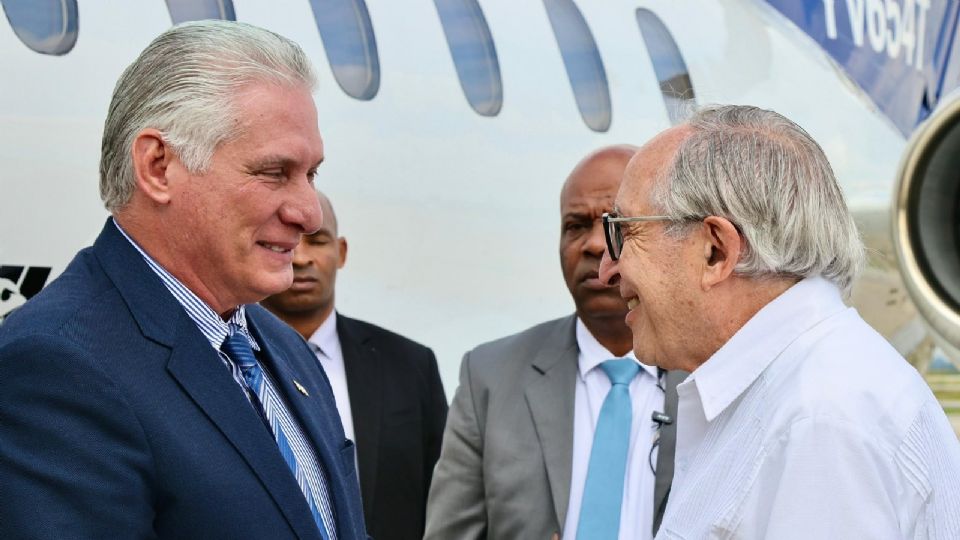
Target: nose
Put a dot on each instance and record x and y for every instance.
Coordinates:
(302, 207)
(596, 243)
(300, 257)
(609, 270)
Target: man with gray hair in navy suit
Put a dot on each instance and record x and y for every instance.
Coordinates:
(144, 394)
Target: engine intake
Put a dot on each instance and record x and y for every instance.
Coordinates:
(926, 222)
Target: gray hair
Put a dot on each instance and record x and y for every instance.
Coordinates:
(182, 84)
(773, 182)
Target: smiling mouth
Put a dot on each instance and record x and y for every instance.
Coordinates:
(274, 247)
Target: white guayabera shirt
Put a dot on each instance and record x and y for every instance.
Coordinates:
(807, 424)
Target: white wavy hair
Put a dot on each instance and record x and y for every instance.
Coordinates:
(767, 176)
(182, 84)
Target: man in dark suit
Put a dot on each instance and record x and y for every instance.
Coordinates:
(387, 387)
(143, 394)
(524, 454)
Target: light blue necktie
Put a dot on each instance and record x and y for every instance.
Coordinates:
(238, 349)
(603, 489)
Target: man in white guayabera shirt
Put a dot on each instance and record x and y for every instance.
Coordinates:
(733, 246)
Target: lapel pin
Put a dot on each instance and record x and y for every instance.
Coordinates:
(301, 388)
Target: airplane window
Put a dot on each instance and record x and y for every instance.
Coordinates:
(582, 60)
(347, 36)
(672, 74)
(46, 26)
(198, 10)
(473, 52)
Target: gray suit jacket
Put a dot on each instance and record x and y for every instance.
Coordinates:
(504, 468)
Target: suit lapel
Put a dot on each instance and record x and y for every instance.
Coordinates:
(364, 372)
(198, 370)
(202, 375)
(550, 397)
(667, 447)
(318, 418)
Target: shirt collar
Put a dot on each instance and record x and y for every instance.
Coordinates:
(213, 327)
(325, 336)
(743, 358)
(592, 353)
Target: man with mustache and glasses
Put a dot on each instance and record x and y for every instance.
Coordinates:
(551, 432)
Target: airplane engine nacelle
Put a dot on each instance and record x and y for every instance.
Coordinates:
(926, 222)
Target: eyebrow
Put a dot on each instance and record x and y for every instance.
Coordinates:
(321, 232)
(576, 215)
(277, 160)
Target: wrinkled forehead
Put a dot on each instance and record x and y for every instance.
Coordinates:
(245, 101)
(641, 175)
(647, 167)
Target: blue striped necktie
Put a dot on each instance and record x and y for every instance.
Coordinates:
(603, 488)
(238, 349)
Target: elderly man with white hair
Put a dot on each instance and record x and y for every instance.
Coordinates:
(732, 243)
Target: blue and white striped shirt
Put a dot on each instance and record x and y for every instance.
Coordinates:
(312, 479)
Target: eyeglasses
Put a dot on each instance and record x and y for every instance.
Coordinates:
(614, 234)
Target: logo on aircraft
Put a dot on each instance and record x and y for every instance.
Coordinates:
(18, 284)
(899, 52)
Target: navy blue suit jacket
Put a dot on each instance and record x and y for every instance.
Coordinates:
(119, 420)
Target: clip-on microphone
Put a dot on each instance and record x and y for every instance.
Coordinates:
(661, 419)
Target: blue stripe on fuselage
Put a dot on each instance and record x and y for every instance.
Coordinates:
(897, 51)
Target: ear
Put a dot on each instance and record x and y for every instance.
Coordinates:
(151, 158)
(722, 247)
(342, 244)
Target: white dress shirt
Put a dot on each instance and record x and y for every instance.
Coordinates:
(636, 512)
(807, 424)
(326, 345)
